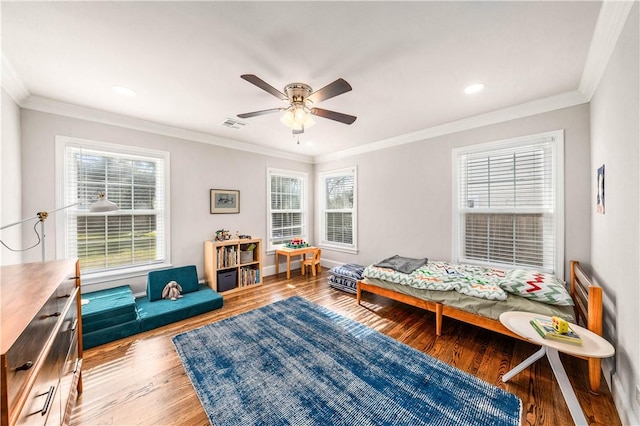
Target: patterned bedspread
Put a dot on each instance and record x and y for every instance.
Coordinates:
(479, 281)
(472, 280)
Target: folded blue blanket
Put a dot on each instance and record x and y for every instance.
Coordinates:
(406, 265)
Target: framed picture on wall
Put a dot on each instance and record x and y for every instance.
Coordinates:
(224, 201)
(600, 195)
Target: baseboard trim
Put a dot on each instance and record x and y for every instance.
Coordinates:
(620, 399)
(271, 269)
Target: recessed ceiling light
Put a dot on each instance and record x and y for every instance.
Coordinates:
(121, 90)
(473, 88)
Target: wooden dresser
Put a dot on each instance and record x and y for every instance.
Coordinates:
(41, 342)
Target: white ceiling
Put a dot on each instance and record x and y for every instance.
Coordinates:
(408, 62)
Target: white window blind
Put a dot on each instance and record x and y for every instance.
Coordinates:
(286, 206)
(339, 208)
(135, 234)
(509, 203)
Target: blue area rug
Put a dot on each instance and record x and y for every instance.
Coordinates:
(296, 363)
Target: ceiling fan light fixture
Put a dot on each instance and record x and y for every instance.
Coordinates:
(300, 115)
(297, 118)
(300, 98)
(287, 118)
(308, 121)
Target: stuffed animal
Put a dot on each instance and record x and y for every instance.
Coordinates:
(172, 291)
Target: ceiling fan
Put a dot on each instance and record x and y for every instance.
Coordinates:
(301, 99)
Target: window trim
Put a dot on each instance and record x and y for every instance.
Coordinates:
(61, 143)
(269, 248)
(557, 149)
(330, 245)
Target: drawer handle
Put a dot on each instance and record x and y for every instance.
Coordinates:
(75, 367)
(24, 367)
(55, 314)
(74, 278)
(47, 402)
(74, 324)
(65, 296)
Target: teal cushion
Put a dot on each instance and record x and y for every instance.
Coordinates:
(164, 311)
(109, 334)
(108, 307)
(186, 276)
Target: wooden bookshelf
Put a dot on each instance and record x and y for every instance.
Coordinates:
(227, 257)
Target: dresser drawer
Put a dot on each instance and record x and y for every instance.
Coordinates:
(65, 290)
(44, 403)
(25, 353)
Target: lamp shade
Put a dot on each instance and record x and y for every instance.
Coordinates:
(297, 118)
(103, 205)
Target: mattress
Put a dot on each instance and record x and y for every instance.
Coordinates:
(483, 307)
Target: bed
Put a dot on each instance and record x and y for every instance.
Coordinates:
(585, 306)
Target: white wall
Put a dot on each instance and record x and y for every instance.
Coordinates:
(405, 192)
(195, 169)
(615, 253)
(10, 181)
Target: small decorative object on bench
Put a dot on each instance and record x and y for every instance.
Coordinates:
(222, 235)
(172, 291)
(297, 243)
(547, 330)
(560, 325)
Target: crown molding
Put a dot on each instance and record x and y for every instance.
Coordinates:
(37, 103)
(540, 106)
(613, 15)
(12, 84)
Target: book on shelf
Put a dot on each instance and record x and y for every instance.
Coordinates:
(249, 276)
(546, 330)
(227, 257)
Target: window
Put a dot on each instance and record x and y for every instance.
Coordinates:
(508, 203)
(338, 215)
(134, 236)
(286, 206)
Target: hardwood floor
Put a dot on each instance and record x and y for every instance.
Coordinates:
(140, 379)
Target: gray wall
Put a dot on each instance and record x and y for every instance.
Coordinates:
(195, 169)
(10, 181)
(615, 253)
(405, 192)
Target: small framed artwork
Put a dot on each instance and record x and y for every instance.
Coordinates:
(224, 201)
(600, 195)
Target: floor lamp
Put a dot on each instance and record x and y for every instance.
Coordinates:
(100, 206)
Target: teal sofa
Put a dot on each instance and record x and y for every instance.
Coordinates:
(112, 314)
(154, 311)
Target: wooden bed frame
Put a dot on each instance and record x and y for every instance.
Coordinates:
(586, 295)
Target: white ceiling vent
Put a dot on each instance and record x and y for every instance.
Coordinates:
(232, 123)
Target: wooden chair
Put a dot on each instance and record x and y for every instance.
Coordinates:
(313, 261)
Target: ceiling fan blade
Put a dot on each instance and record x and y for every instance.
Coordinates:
(332, 115)
(262, 112)
(336, 88)
(257, 81)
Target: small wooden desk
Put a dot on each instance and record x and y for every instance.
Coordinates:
(593, 346)
(288, 252)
